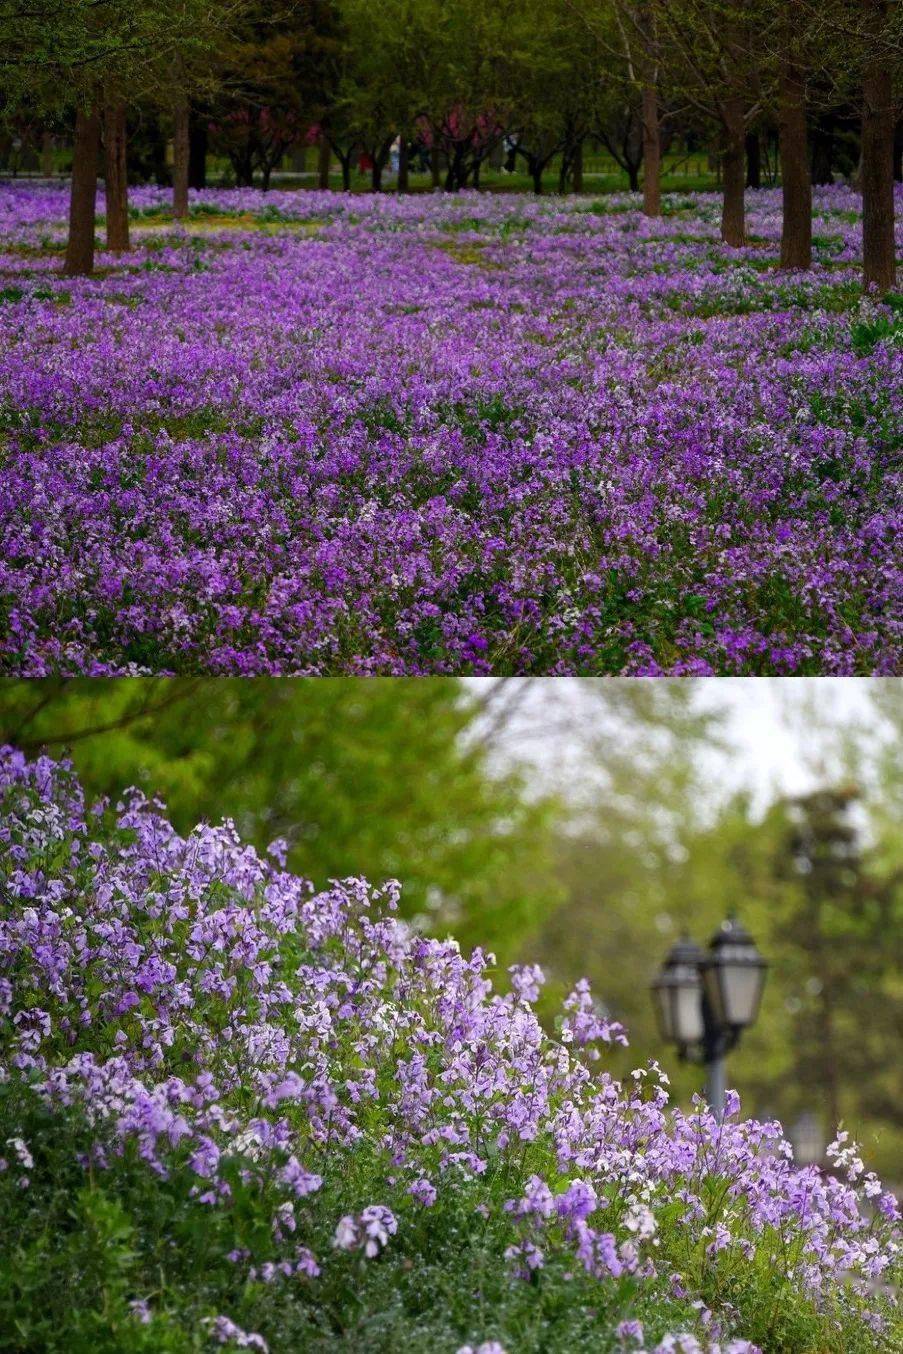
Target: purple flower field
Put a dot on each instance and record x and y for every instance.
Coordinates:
(316, 433)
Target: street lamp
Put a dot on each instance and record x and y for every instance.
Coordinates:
(705, 999)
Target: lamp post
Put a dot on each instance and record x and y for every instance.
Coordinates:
(705, 999)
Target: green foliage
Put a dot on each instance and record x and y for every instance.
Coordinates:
(882, 328)
(78, 1249)
(56, 55)
(385, 778)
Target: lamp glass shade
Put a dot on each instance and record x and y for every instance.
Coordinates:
(686, 1002)
(677, 995)
(734, 975)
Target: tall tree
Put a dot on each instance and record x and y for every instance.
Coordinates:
(275, 81)
(860, 60)
(640, 37)
(878, 118)
(57, 57)
(79, 257)
(709, 50)
(796, 185)
(181, 139)
(115, 173)
(844, 930)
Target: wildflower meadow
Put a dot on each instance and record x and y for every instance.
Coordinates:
(313, 433)
(237, 1112)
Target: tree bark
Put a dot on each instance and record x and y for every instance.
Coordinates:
(733, 164)
(180, 153)
(878, 260)
(116, 191)
(898, 152)
(323, 163)
(435, 167)
(79, 260)
(796, 186)
(197, 149)
(652, 154)
(404, 176)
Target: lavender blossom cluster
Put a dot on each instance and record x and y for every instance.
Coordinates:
(208, 1013)
(324, 433)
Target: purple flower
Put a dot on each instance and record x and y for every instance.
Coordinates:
(424, 1192)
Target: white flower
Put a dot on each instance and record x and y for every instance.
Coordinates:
(640, 1220)
(20, 1148)
(346, 1234)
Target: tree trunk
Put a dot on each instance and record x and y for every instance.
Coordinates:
(633, 175)
(733, 164)
(404, 173)
(79, 261)
(879, 265)
(435, 167)
(536, 174)
(197, 149)
(47, 155)
(116, 190)
(898, 152)
(796, 187)
(577, 172)
(323, 162)
(180, 152)
(459, 169)
(753, 160)
(376, 174)
(652, 154)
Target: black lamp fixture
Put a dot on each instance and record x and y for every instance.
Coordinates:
(705, 999)
(677, 994)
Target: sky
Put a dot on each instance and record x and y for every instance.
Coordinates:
(770, 753)
(773, 755)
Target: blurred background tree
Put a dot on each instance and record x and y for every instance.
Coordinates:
(370, 778)
(580, 825)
